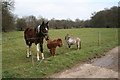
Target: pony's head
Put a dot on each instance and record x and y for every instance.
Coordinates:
(59, 41)
(43, 29)
(67, 37)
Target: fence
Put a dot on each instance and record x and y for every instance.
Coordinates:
(15, 45)
(98, 38)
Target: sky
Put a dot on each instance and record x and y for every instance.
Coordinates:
(61, 9)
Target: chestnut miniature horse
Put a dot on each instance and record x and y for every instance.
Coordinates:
(52, 44)
(36, 35)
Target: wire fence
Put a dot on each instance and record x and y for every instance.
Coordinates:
(12, 38)
(98, 37)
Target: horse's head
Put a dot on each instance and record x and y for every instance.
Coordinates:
(43, 29)
(59, 41)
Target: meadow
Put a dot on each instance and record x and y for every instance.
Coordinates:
(16, 65)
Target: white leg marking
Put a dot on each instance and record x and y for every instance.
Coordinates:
(30, 51)
(38, 51)
(42, 56)
(27, 51)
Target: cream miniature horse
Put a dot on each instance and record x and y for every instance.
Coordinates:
(73, 41)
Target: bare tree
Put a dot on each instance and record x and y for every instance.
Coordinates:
(7, 15)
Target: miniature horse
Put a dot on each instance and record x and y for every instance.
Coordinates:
(52, 44)
(36, 35)
(71, 41)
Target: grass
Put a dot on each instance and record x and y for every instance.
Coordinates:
(16, 65)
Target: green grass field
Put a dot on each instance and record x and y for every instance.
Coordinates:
(16, 65)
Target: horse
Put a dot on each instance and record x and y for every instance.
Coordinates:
(52, 44)
(36, 35)
(73, 41)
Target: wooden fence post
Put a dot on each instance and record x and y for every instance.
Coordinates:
(116, 34)
(32, 60)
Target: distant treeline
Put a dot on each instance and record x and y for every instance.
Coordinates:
(107, 18)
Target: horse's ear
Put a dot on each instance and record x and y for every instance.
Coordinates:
(42, 23)
(47, 23)
(59, 39)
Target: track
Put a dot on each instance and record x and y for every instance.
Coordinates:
(103, 67)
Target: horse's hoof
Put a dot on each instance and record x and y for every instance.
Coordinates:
(43, 58)
(27, 57)
(38, 60)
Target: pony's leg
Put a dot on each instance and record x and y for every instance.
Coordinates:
(41, 49)
(78, 46)
(54, 51)
(38, 51)
(69, 45)
(51, 52)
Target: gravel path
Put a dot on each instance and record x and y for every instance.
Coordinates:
(103, 67)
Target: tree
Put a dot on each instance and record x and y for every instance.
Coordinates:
(105, 18)
(31, 21)
(21, 24)
(7, 15)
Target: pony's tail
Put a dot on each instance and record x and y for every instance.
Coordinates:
(80, 45)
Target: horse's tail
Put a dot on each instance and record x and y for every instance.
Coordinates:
(27, 29)
(25, 32)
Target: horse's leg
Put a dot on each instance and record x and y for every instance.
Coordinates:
(27, 51)
(38, 51)
(28, 48)
(41, 49)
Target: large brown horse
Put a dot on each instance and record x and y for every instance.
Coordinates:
(36, 35)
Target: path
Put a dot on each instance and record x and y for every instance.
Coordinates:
(104, 67)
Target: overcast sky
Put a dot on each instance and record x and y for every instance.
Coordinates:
(61, 9)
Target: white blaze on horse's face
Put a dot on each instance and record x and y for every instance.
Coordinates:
(38, 28)
(46, 29)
